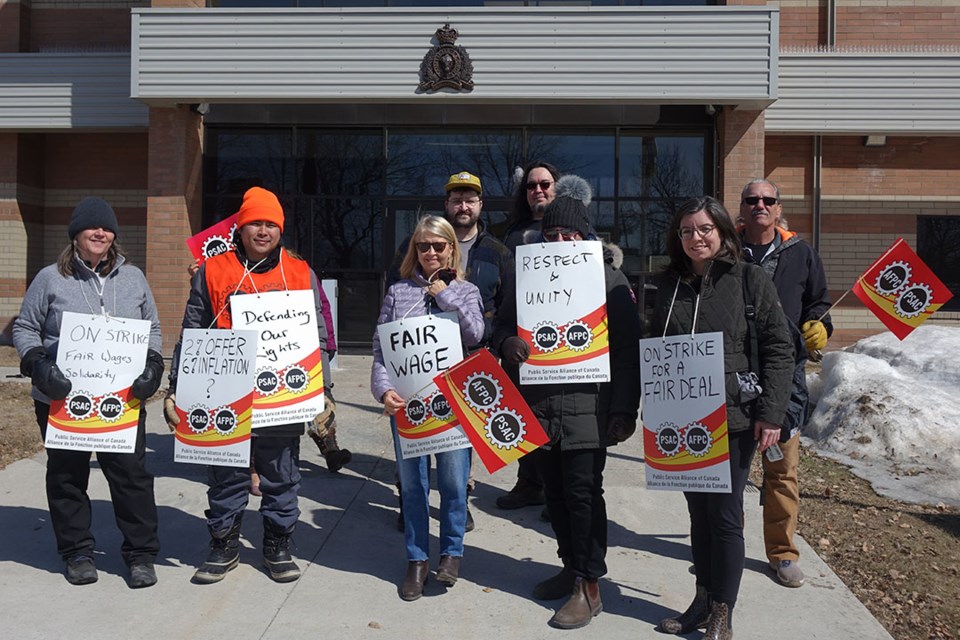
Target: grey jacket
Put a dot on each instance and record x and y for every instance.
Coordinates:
(407, 298)
(126, 294)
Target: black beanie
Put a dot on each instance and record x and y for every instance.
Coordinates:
(567, 213)
(92, 213)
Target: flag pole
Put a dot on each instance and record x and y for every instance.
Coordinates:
(834, 304)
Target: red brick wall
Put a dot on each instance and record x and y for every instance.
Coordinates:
(14, 27)
(870, 25)
(803, 26)
(741, 136)
(75, 28)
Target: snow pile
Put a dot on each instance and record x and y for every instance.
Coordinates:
(891, 410)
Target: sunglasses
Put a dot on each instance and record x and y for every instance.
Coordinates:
(555, 235)
(543, 184)
(438, 247)
(767, 200)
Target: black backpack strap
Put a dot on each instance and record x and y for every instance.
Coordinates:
(750, 312)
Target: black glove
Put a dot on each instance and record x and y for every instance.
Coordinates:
(149, 381)
(620, 427)
(46, 375)
(514, 350)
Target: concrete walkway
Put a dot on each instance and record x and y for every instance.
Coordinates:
(353, 559)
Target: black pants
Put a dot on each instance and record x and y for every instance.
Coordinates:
(131, 491)
(573, 488)
(716, 526)
(527, 469)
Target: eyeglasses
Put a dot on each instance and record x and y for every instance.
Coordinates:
(703, 231)
(470, 202)
(543, 184)
(767, 200)
(555, 235)
(438, 247)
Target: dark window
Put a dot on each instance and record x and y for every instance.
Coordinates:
(938, 245)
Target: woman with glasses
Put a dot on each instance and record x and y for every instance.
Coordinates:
(432, 283)
(705, 288)
(535, 190)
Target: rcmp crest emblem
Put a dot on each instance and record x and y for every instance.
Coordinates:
(446, 65)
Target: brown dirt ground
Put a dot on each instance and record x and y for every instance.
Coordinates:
(901, 560)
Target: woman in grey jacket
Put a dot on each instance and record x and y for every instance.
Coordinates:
(431, 283)
(92, 277)
(702, 291)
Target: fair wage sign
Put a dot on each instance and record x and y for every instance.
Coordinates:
(414, 351)
(289, 383)
(101, 356)
(685, 440)
(213, 240)
(215, 379)
(562, 312)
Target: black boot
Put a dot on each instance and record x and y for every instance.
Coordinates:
(224, 554)
(695, 617)
(720, 626)
(276, 553)
(336, 457)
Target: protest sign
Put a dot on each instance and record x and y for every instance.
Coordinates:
(901, 290)
(289, 382)
(213, 240)
(491, 411)
(685, 440)
(101, 356)
(215, 379)
(562, 312)
(414, 351)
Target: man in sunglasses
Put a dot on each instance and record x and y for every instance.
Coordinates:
(797, 272)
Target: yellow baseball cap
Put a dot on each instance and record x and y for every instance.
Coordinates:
(464, 180)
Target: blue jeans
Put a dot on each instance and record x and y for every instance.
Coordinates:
(453, 471)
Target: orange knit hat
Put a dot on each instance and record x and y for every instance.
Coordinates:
(260, 204)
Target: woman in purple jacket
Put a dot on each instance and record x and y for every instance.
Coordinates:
(432, 283)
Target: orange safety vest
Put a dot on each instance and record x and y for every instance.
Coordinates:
(224, 271)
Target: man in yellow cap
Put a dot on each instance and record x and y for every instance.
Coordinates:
(797, 272)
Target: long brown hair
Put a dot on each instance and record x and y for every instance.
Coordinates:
(729, 242)
(433, 226)
(65, 259)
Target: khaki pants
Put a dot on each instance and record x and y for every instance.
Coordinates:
(781, 502)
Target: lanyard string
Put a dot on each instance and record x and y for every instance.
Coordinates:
(248, 273)
(696, 311)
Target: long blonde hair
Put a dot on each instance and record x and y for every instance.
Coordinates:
(431, 225)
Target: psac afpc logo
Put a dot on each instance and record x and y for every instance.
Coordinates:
(693, 438)
(911, 298)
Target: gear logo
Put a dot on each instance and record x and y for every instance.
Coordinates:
(416, 411)
(668, 439)
(482, 391)
(577, 336)
(505, 429)
(268, 382)
(893, 278)
(198, 419)
(214, 246)
(79, 405)
(440, 407)
(697, 440)
(546, 337)
(110, 408)
(296, 379)
(225, 420)
(913, 300)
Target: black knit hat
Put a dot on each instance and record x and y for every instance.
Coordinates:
(92, 213)
(569, 207)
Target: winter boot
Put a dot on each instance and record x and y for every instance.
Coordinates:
(323, 431)
(695, 617)
(276, 553)
(224, 554)
(720, 626)
(580, 609)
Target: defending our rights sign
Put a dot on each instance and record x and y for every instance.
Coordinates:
(685, 439)
(562, 312)
(215, 379)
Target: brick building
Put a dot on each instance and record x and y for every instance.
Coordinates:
(170, 109)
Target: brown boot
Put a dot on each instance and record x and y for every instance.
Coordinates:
(323, 431)
(695, 617)
(412, 588)
(583, 605)
(449, 570)
(720, 626)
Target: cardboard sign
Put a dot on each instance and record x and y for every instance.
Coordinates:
(414, 351)
(562, 312)
(213, 240)
(215, 379)
(491, 411)
(685, 441)
(101, 356)
(289, 382)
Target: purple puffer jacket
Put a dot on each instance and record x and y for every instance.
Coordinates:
(407, 298)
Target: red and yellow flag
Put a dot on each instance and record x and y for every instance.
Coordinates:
(491, 411)
(901, 290)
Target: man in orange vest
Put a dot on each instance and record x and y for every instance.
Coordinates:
(258, 264)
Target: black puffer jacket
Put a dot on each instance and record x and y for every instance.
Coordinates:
(721, 308)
